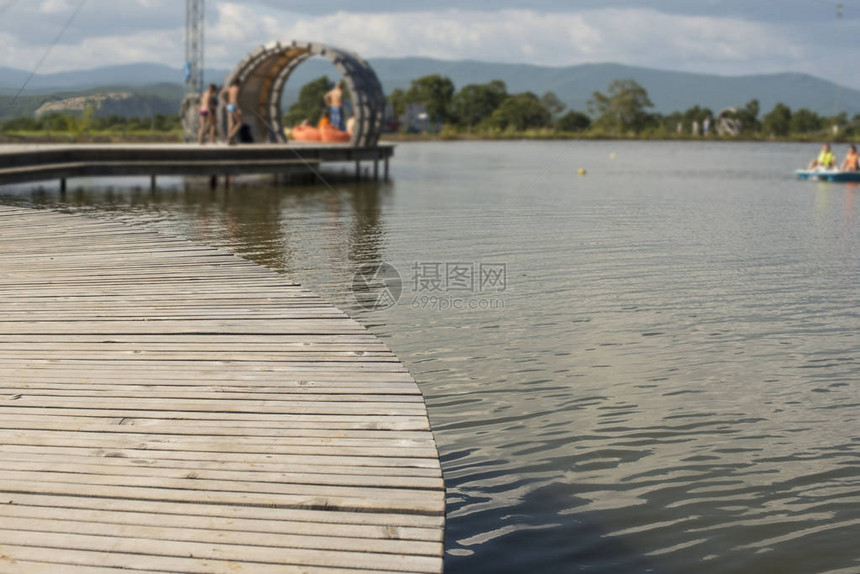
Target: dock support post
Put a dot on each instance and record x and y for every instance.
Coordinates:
(357, 169)
(385, 176)
(152, 183)
(213, 182)
(63, 185)
(376, 170)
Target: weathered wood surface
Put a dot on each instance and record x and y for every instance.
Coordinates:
(27, 163)
(168, 407)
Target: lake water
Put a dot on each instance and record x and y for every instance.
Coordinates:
(649, 368)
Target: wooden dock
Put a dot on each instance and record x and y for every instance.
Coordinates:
(28, 163)
(169, 407)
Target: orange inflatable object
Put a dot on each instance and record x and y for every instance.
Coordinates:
(306, 134)
(334, 135)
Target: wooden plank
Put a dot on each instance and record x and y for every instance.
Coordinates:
(12, 565)
(320, 445)
(333, 421)
(42, 560)
(110, 459)
(65, 524)
(376, 454)
(306, 475)
(379, 537)
(248, 493)
(179, 427)
(214, 406)
(198, 558)
(166, 407)
(273, 519)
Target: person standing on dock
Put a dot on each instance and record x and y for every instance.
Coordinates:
(234, 114)
(334, 100)
(207, 114)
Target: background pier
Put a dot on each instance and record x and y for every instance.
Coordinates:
(31, 163)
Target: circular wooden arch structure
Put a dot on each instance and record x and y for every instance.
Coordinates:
(263, 74)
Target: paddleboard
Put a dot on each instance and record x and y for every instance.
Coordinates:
(833, 175)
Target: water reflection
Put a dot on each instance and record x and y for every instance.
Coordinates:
(258, 221)
(848, 195)
(366, 235)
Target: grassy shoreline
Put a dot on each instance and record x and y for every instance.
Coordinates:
(92, 137)
(589, 136)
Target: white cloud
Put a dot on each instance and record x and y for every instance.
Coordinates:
(54, 6)
(161, 47)
(151, 4)
(638, 37)
(510, 35)
(109, 32)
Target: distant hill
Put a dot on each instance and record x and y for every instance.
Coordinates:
(573, 85)
(125, 101)
(669, 91)
(81, 80)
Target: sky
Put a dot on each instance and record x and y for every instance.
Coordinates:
(730, 37)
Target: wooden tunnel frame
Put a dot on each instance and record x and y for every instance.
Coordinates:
(263, 75)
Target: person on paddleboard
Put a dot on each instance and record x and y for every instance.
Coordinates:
(852, 160)
(825, 159)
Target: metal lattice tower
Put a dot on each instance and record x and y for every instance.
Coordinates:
(194, 28)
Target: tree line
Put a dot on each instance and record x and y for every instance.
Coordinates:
(87, 122)
(624, 110)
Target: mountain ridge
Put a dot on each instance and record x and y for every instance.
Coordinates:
(669, 90)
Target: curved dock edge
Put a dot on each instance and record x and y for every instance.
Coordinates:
(167, 406)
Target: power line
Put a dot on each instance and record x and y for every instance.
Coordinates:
(48, 51)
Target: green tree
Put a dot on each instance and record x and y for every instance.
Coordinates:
(623, 108)
(695, 114)
(397, 99)
(552, 104)
(435, 92)
(24, 124)
(573, 121)
(852, 127)
(748, 116)
(805, 121)
(836, 124)
(520, 112)
(477, 102)
(777, 122)
(310, 105)
(57, 122)
(671, 121)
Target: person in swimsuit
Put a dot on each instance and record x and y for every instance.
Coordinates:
(852, 160)
(207, 114)
(234, 114)
(334, 100)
